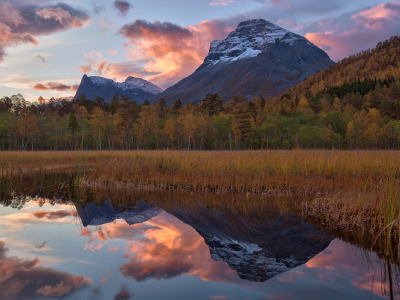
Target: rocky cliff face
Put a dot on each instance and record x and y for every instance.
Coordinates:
(257, 58)
(136, 88)
(93, 215)
(259, 247)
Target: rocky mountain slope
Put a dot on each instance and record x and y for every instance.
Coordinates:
(257, 247)
(257, 58)
(136, 88)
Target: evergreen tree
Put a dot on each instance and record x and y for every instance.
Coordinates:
(73, 126)
(241, 119)
(315, 104)
(114, 103)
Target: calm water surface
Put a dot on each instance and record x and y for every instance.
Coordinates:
(51, 250)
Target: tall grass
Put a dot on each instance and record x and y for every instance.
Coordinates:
(259, 165)
(344, 189)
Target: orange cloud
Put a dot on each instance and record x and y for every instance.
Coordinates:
(86, 69)
(93, 248)
(171, 51)
(173, 248)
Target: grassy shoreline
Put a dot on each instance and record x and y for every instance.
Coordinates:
(356, 190)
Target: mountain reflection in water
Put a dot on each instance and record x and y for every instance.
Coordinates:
(143, 251)
(256, 249)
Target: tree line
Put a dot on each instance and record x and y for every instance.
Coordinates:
(353, 121)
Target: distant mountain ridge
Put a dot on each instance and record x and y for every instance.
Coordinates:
(95, 215)
(257, 58)
(137, 89)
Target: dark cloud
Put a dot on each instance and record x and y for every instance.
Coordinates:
(40, 57)
(23, 279)
(60, 214)
(60, 87)
(123, 7)
(392, 6)
(22, 23)
(97, 9)
(141, 29)
(42, 245)
(124, 294)
(326, 47)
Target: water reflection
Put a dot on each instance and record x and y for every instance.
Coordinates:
(67, 249)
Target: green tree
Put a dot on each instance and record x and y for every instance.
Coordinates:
(73, 126)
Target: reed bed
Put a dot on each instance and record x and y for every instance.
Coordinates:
(351, 190)
(258, 165)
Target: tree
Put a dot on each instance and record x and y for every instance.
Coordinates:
(82, 115)
(177, 105)
(27, 128)
(241, 120)
(73, 126)
(190, 127)
(114, 103)
(97, 123)
(259, 102)
(169, 130)
(129, 112)
(315, 104)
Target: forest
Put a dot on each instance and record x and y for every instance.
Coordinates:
(355, 104)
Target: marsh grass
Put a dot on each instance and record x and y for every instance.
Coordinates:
(345, 190)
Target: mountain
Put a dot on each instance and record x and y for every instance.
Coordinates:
(258, 58)
(350, 74)
(257, 247)
(136, 88)
(94, 215)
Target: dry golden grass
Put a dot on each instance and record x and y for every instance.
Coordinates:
(258, 165)
(351, 189)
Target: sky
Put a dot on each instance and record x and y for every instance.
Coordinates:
(46, 46)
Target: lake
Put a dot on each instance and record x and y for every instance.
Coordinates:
(54, 245)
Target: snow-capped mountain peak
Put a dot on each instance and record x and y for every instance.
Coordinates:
(134, 88)
(130, 83)
(249, 40)
(143, 84)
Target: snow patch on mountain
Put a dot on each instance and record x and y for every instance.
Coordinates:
(249, 40)
(131, 217)
(249, 260)
(131, 83)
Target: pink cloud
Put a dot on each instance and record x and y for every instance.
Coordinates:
(348, 34)
(172, 248)
(19, 26)
(172, 51)
(221, 2)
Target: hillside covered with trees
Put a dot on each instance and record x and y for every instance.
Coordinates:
(352, 105)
